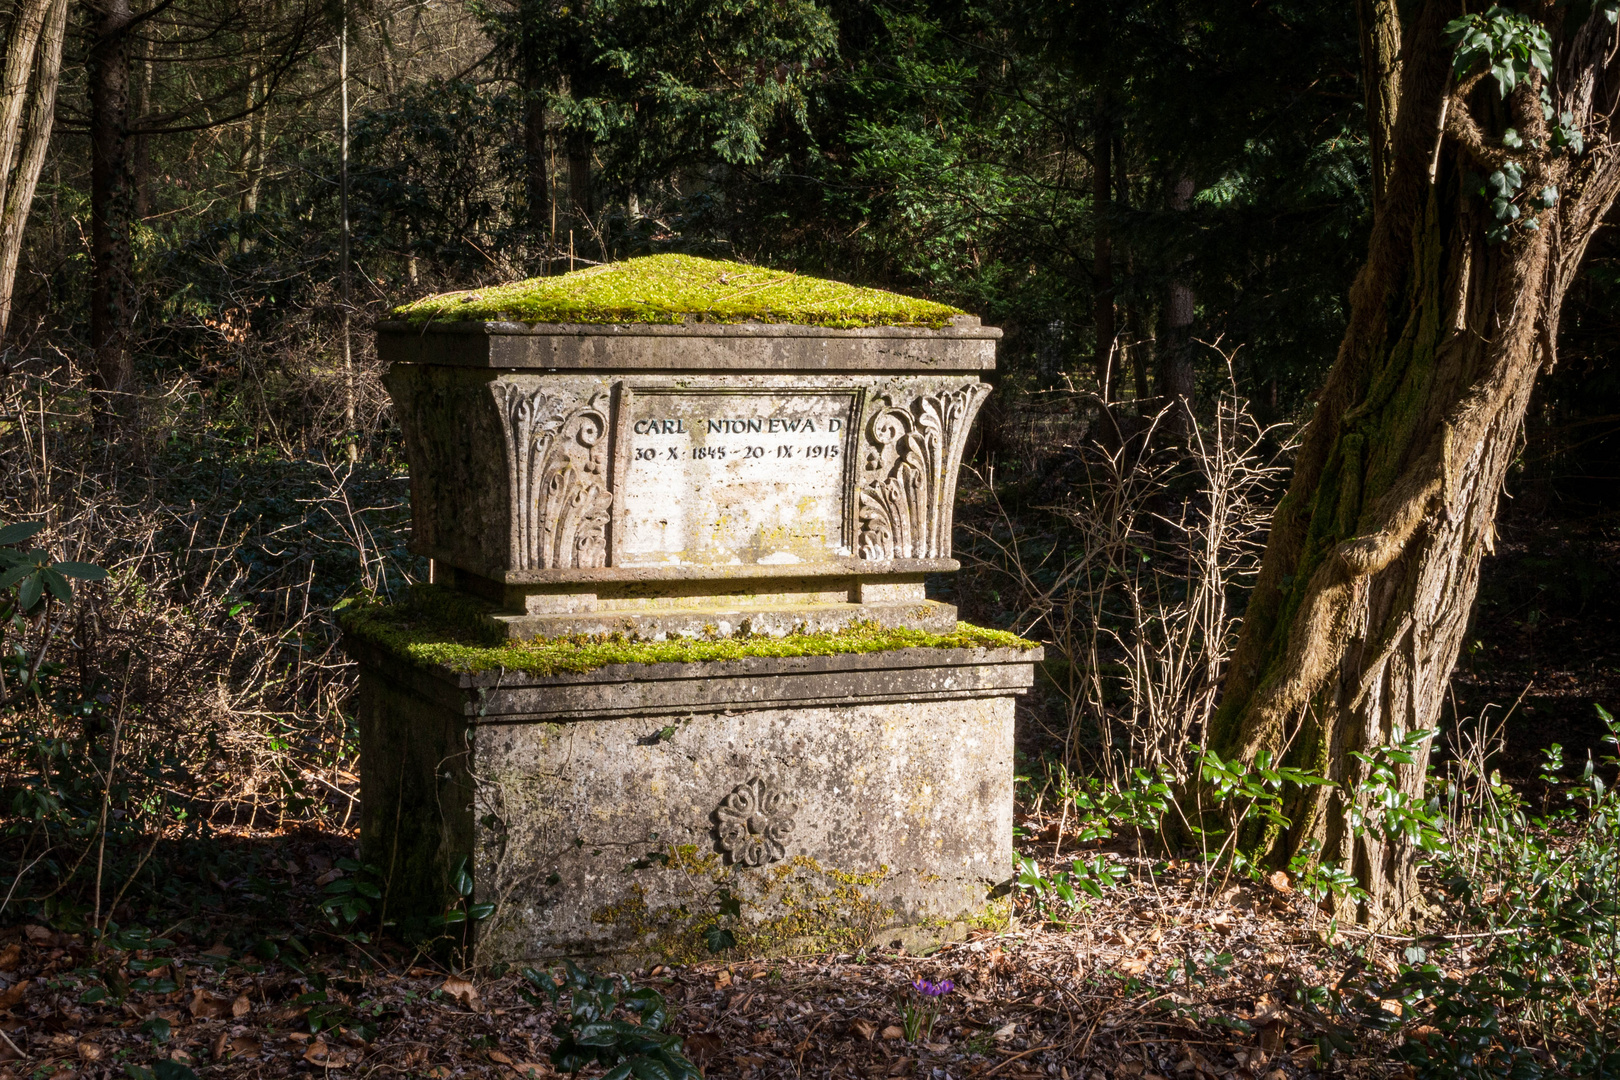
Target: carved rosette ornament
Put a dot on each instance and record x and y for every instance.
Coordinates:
(556, 460)
(754, 824)
(908, 478)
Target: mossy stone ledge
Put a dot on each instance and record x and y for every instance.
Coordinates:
(435, 627)
(673, 289)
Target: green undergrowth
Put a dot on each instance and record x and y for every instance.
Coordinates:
(436, 627)
(675, 288)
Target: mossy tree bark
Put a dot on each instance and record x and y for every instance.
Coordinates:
(1373, 560)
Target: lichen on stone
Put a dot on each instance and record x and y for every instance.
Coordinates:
(797, 906)
(437, 627)
(672, 289)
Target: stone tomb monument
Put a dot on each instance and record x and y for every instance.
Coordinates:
(677, 681)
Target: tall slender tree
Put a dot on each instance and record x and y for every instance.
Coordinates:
(1494, 167)
(33, 63)
(240, 51)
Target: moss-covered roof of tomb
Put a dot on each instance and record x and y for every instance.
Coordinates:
(434, 627)
(673, 289)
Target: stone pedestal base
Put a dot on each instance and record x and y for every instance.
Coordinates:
(790, 803)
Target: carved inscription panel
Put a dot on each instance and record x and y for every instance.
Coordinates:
(735, 477)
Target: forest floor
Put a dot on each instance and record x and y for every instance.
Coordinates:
(1169, 976)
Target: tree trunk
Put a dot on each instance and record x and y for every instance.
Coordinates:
(112, 289)
(537, 194)
(1372, 563)
(22, 39)
(25, 140)
(1380, 29)
(581, 207)
(1175, 351)
(1102, 271)
(140, 143)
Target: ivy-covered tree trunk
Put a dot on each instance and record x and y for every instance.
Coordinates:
(1491, 174)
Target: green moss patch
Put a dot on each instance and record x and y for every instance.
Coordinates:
(435, 627)
(675, 288)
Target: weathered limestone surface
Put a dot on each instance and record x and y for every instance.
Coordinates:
(612, 812)
(689, 481)
(725, 455)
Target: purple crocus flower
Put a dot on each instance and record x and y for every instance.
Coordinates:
(933, 989)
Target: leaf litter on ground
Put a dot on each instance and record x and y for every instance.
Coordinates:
(1159, 979)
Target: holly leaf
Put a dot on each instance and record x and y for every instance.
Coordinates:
(28, 595)
(18, 531)
(57, 584)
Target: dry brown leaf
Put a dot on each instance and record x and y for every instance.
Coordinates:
(220, 949)
(241, 1006)
(722, 979)
(329, 877)
(1005, 1031)
(439, 1072)
(1279, 881)
(533, 1070)
(863, 1027)
(89, 1051)
(1128, 1068)
(902, 1066)
(243, 1046)
(7, 1052)
(14, 995)
(702, 1047)
(317, 1053)
(496, 1055)
(1133, 967)
(207, 1006)
(800, 1048)
(894, 1031)
(39, 935)
(1272, 1036)
(421, 973)
(220, 1044)
(10, 957)
(462, 990)
(1391, 1006)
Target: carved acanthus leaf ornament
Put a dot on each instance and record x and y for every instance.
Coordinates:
(556, 459)
(913, 452)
